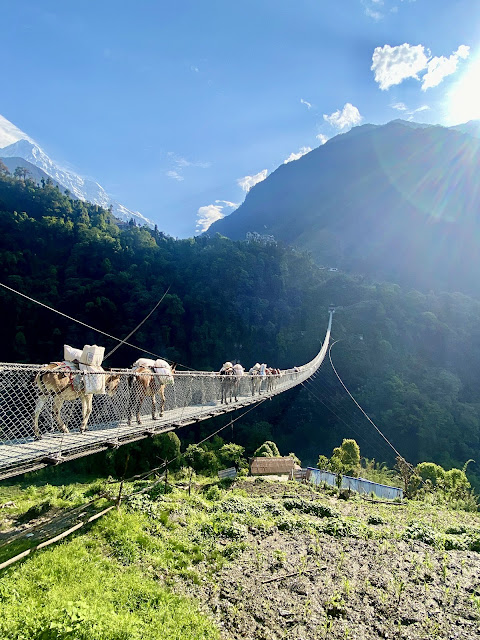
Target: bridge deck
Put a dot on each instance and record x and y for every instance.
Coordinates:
(194, 396)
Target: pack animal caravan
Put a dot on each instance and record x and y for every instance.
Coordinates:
(149, 379)
(79, 376)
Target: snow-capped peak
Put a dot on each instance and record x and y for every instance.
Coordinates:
(19, 145)
(9, 133)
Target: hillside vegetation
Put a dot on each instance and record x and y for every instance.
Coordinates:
(412, 359)
(256, 559)
(396, 201)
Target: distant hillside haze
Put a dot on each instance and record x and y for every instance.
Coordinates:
(398, 201)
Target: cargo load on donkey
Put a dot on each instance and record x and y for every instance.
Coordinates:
(78, 376)
(150, 377)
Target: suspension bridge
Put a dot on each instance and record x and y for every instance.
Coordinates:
(194, 396)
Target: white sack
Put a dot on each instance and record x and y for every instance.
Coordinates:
(70, 353)
(94, 378)
(92, 355)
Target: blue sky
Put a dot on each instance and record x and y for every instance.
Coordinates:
(177, 108)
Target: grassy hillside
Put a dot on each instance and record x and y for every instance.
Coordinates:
(256, 559)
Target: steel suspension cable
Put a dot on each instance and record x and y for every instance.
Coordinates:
(84, 324)
(338, 411)
(138, 325)
(340, 418)
(356, 403)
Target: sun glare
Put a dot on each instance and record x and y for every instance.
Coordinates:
(464, 98)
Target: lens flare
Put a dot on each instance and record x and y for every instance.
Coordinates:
(464, 98)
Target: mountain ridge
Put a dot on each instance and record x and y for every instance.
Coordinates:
(83, 188)
(392, 201)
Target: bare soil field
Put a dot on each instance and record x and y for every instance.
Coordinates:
(302, 586)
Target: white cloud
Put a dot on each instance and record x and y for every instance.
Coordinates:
(393, 65)
(399, 106)
(227, 203)
(371, 13)
(322, 138)
(247, 182)
(174, 175)
(424, 107)
(307, 104)
(181, 163)
(295, 156)
(348, 117)
(463, 51)
(373, 9)
(440, 67)
(209, 214)
(377, 9)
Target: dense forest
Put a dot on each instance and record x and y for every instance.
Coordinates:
(412, 359)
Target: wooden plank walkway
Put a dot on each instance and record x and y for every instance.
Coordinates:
(28, 454)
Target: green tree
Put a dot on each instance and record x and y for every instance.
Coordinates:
(267, 450)
(22, 173)
(346, 458)
(231, 453)
(432, 472)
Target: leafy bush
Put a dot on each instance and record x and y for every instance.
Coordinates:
(310, 507)
(337, 528)
(238, 504)
(322, 462)
(420, 531)
(430, 471)
(474, 544)
(200, 460)
(267, 450)
(458, 543)
(213, 493)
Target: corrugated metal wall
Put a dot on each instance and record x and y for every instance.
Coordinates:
(359, 485)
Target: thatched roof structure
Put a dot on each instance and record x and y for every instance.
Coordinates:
(271, 466)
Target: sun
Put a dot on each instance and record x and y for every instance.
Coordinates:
(464, 97)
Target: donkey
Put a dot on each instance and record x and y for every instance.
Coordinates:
(57, 381)
(228, 383)
(146, 383)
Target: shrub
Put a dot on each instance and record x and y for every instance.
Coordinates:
(419, 531)
(267, 450)
(322, 462)
(200, 460)
(231, 454)
(345, 459)
(431, 471)
(337, 528)
(309, 507)
(213, 493)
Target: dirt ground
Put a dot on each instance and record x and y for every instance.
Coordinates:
(301, 586)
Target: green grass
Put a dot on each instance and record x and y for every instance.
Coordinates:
(116, 580)
(81, 591)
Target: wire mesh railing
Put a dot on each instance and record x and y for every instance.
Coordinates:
(46, 415)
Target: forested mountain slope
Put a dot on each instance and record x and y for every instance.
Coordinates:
(396, 201)
(412, 359)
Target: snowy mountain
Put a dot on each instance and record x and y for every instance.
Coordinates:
(20, 145)
(34, 173)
